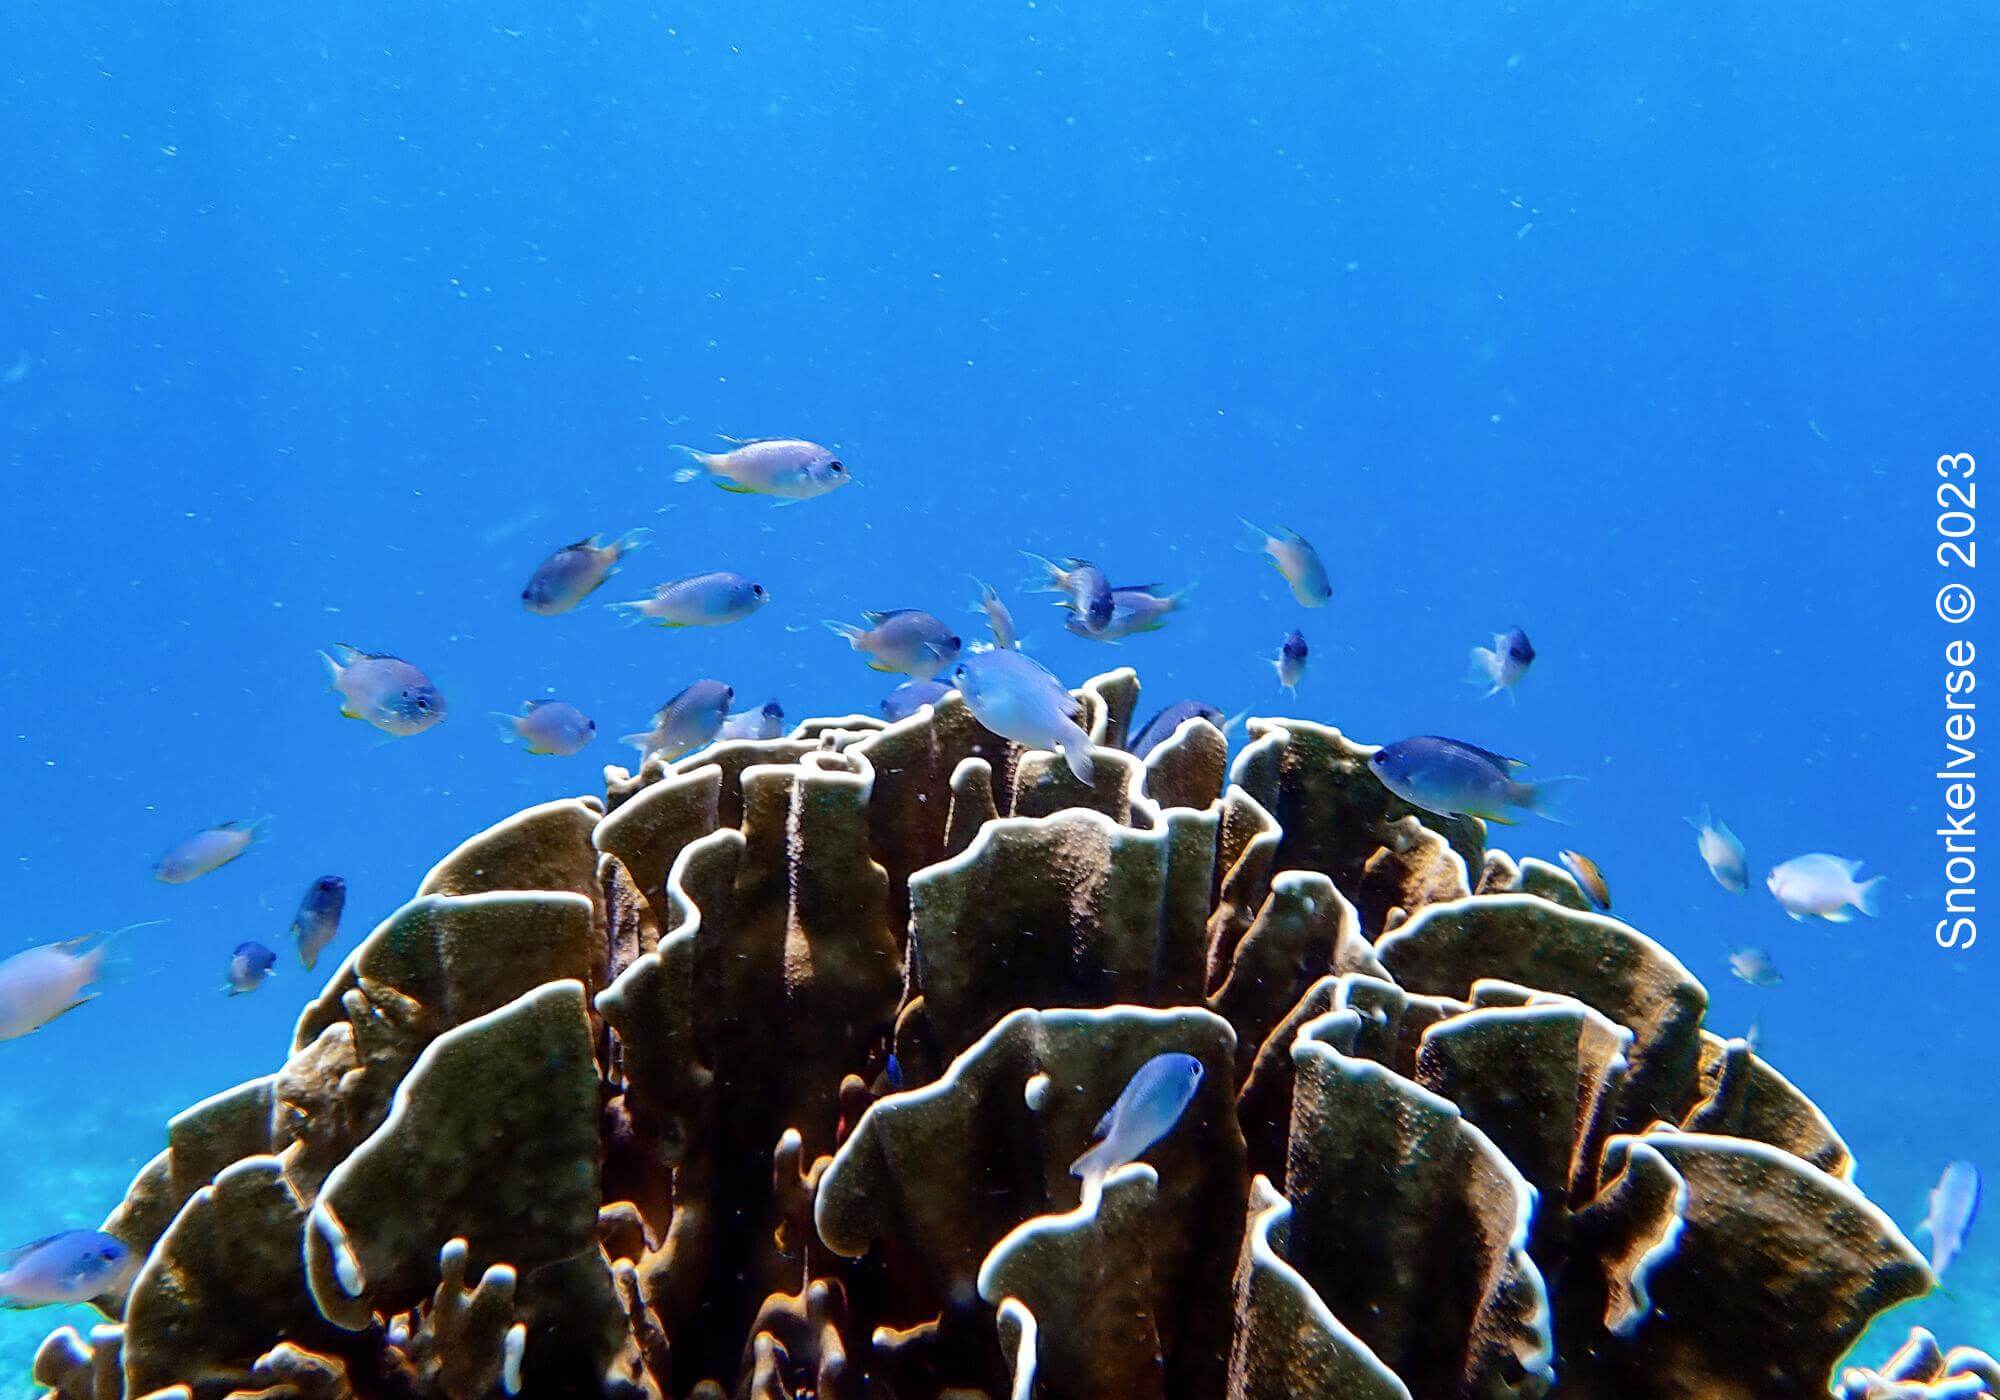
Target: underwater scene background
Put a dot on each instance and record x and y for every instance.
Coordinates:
(1636, 327)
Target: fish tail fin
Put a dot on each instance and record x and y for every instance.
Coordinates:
(1051, 577)
(643, 742)
(1548, 799)
(638, 537)
(1256, 539)
(699, 463)
(1868, 895)
(1483, 669)
(631, 614)
(510, 732)
(1093, 1164)
(333, 669)
(1230, 725)
(848, 630)
(1075, 747)
(259, 829)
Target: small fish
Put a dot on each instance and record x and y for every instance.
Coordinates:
(911, 696)
(1722, 851)
(1824, 887)
(1503, 667)
(250, 966)
(386, 691)
(1954, 1204)
(685, 722)
(208, 850)
(1754, 1036)
(1754, 965)
(767, 723)
(1588, 878)
(40, 984)
(1295, 558)
(892, 1072)
(1290, 662)
(906, 641)
(1452, 778)
(1133, 610)
(788, 468)
(1015, 696)
(1085, 589)
(575, 571)
(317, 923)
(1153, 1102)
(705, 600)
(547, 727)
(997, 617)
(71, 1267)
(1164, 725)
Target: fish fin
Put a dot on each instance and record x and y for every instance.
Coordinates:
(1104, 1123)
(1076, 753)
(686, 474)
(734, 488)
(510, 732)
(642, 742)
(1260, 538)
(1234, 722)
(1549, 798)
(1842, 915)
(1093, 1163)
(333, 670)
(1498, 820)
(631, 614)
(1053, 573)
(636, 538)
(1867, 895)
(1484, 669)
(846, 629)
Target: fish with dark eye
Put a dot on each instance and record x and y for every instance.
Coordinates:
(686, 722)
(790, 469)
(72, 1267)
(705, 600)
(765, 723)
(1589, 879)
(1086, 591)
(196, 855)
(1167, 723)
(1502, 667)
(382, 690)
(547, 727)
(1296, 561)
(906, 641)
(1754, 965)
(1452, 779)
(250, 967)
(1721, 852)
(1017, 698)
(575, 571)
(1139, 608)
(317, 923)
(1290, 662)
(1821, 886)
(1152, 1103)
(911, 696)
(998, 619)
(1954, 1203)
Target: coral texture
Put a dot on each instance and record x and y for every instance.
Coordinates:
(763, 1076)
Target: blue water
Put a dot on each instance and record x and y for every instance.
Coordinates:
(1639, 326)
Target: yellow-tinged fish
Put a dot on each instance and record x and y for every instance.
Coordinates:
(1589, 879)
(791, 469)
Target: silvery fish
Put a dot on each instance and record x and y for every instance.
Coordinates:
(1754, 965)
(1503, 667)
(997, 617)
(1018, 699)
(1294, 558)
(1085, 589)
(1452, 779)
(575, 571)
(911, 696)
(906, 641)
(1133, 610)
(1290, 662)
(1954, 1203)
(1824, 887)
(685, 722)
(42, 983)
(1164, 725)
(766, 723)
(386, 691)
(1589, 879)
(250, 966)
(1153, 1102)
(788, 468)
(705, 600)
(317, 923)
(72, 1267)
(547, 727)
(195, 856)
(1722, 851)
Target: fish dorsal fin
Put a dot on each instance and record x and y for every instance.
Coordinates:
(11, 1257)
(587, 542)
(1135, 588)
(534, 705)
(878, 618)
(352, 654)
(1104, 1123)
(1499, 758)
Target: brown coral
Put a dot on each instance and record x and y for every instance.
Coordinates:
(763, 1077)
